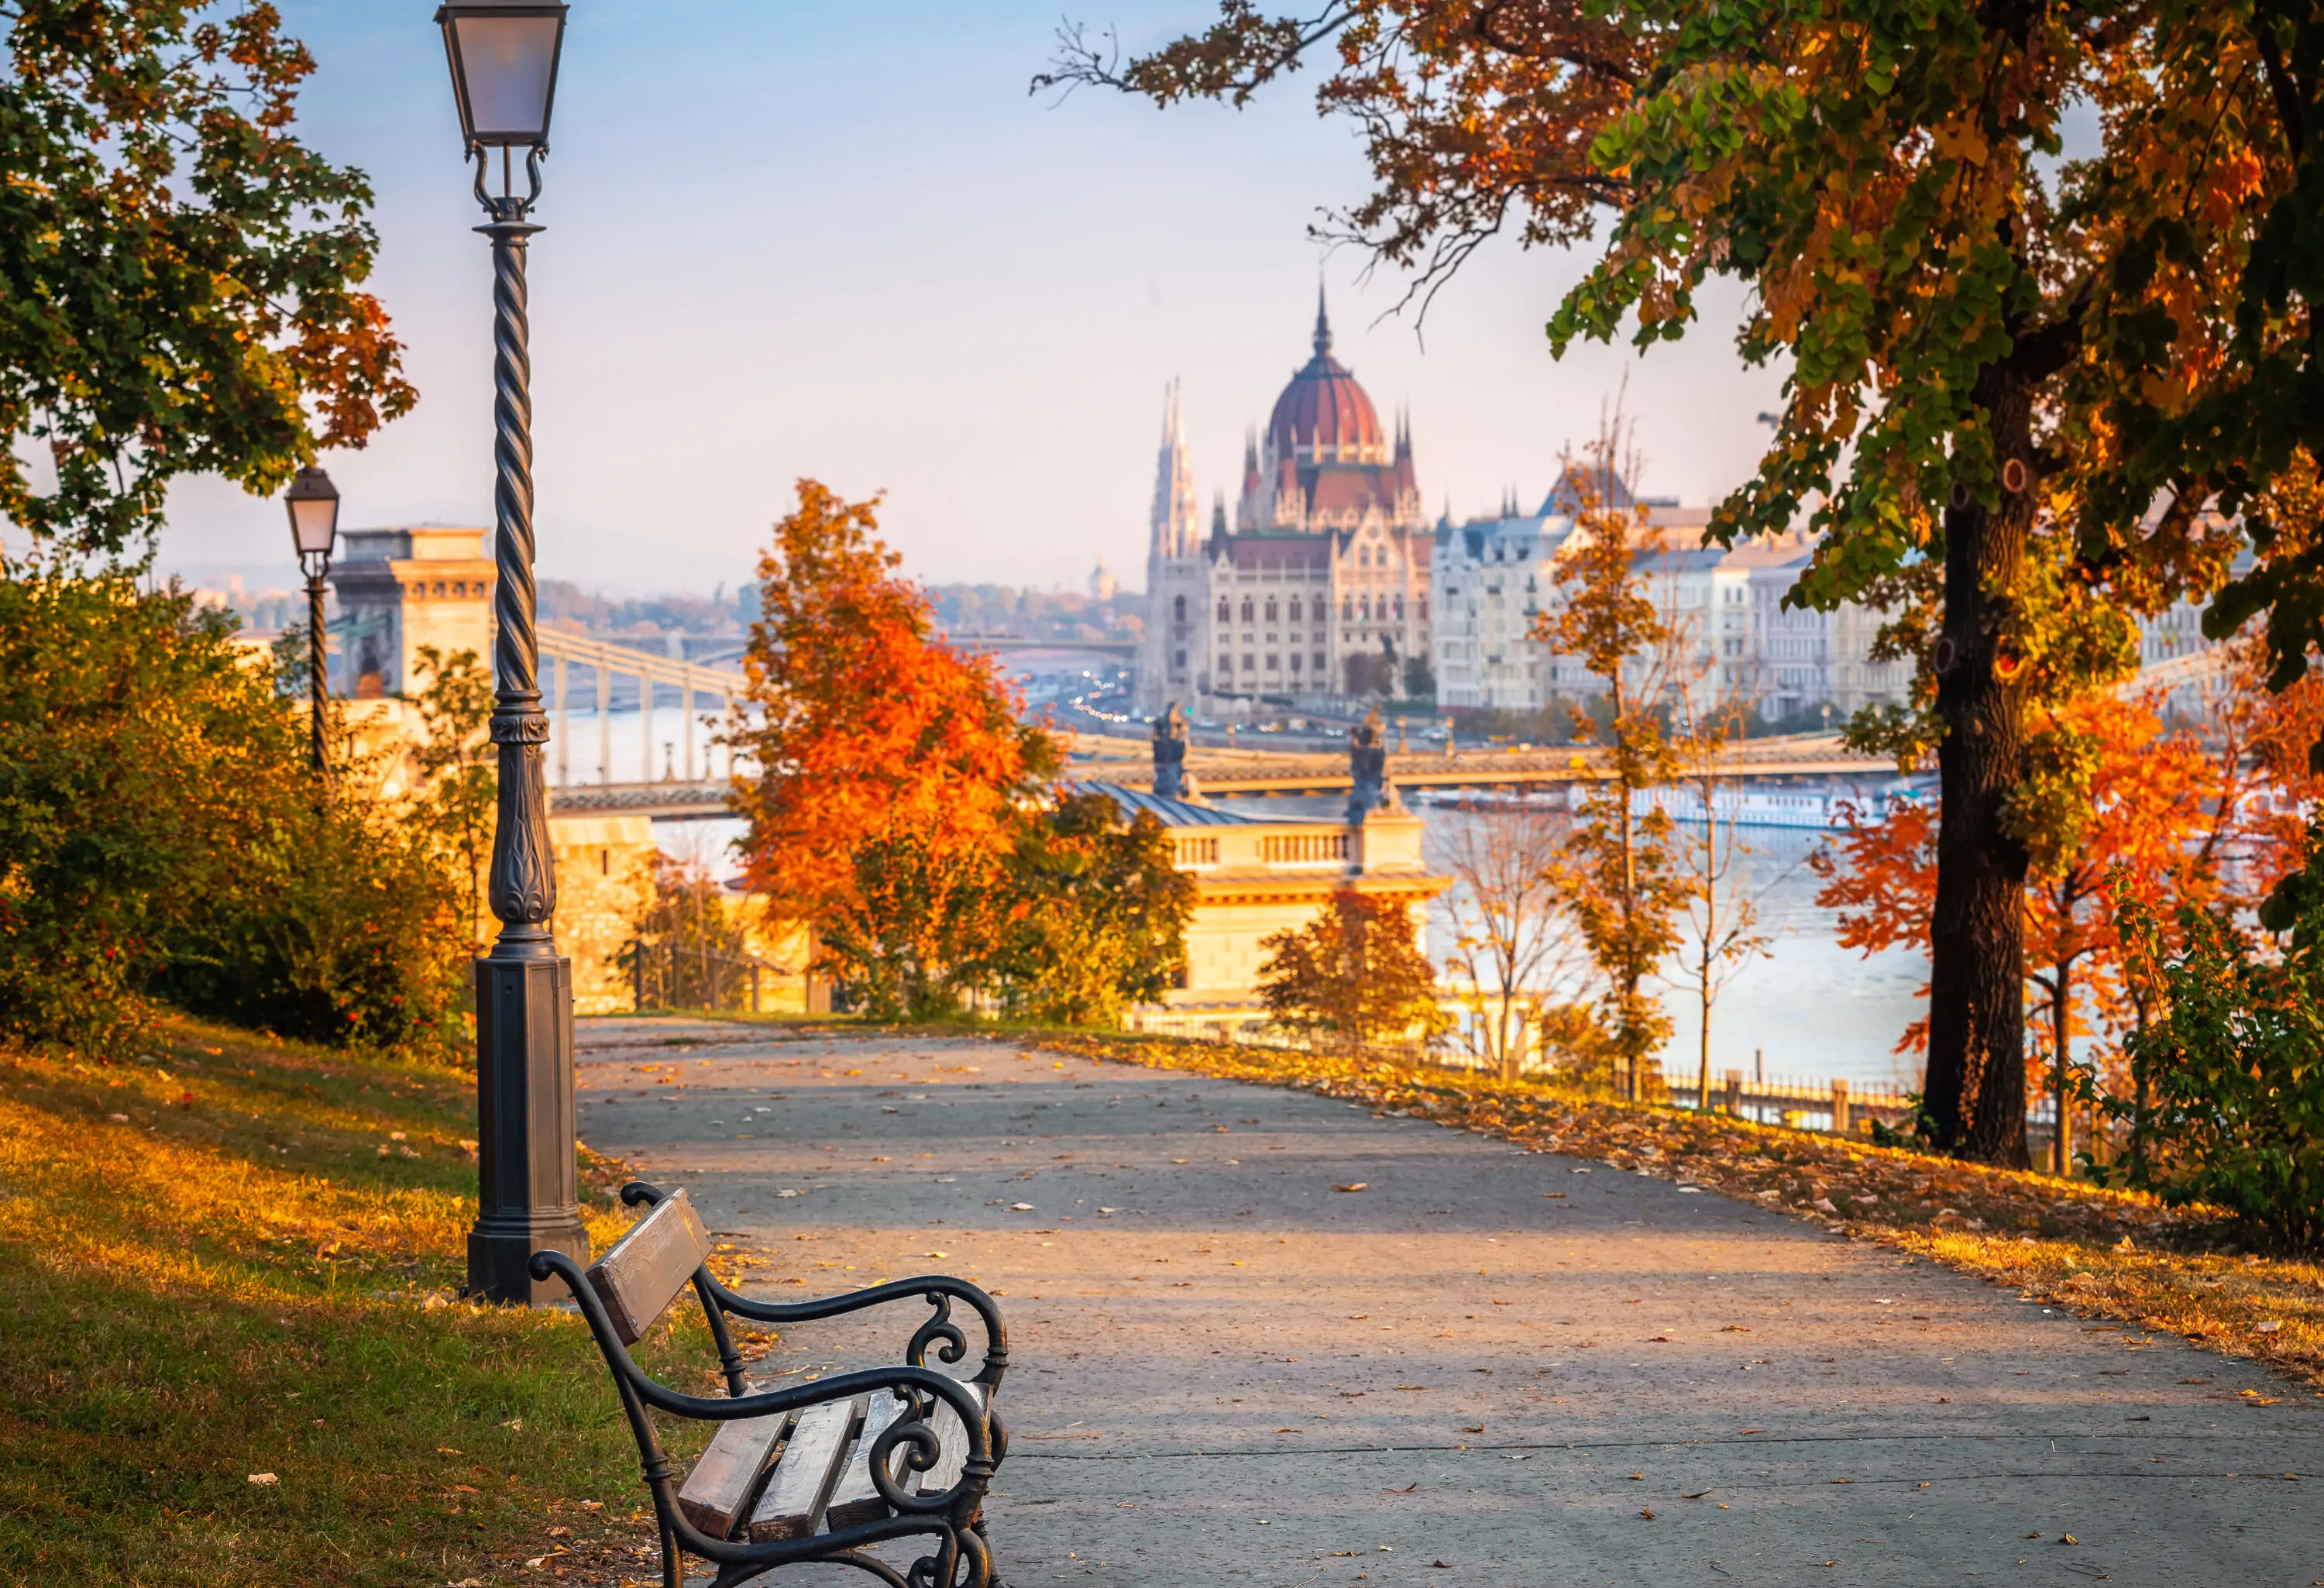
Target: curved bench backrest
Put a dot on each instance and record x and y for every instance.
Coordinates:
(644, 1270)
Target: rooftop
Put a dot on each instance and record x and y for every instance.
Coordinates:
(1176, 813)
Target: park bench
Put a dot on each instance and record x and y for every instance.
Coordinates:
(819, 1471)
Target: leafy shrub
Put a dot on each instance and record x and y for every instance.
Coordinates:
(1091, 915)
(350, 933)
(161, 835)
(2231, 1068)
(1355, 973)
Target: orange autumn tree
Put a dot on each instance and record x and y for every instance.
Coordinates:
(887, 764)
(1626, 882)
(2159, 802)
(2281, 730)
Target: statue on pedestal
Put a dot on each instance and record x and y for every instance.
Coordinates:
(1171, 780)
(1368, 789)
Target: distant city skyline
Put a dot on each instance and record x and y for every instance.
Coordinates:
(785, 240)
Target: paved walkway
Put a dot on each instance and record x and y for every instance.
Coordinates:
(1488, 1367)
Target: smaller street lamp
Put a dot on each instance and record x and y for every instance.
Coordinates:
(314, 506)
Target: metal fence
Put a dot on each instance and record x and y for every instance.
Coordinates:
(676, 974)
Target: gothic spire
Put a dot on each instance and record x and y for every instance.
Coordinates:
(1322, 322)
(1177, 523)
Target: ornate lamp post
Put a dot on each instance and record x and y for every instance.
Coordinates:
(314, 506)
(503, 56)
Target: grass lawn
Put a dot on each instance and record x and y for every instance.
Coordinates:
(227, 1257)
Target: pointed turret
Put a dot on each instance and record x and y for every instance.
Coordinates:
(1406, 478)
(1247, 510)
(1177, 523)
(1322, 322)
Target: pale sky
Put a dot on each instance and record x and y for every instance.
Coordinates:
(790, 239)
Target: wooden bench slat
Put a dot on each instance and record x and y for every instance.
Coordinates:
(722, 1481)
(952, 1444)
(856, 1500)
(810, 1464)
(640, 1272)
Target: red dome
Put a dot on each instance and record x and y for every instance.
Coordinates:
(1323, 407)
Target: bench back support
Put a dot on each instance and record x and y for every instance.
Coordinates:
(645, 1269)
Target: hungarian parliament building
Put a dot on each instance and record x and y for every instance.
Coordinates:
(1330, 583)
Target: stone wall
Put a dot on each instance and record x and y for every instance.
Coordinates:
(605, 883)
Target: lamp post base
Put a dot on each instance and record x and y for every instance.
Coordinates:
(527, 1179)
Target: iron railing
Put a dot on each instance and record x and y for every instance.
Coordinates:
(673, 973)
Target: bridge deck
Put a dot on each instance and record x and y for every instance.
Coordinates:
(1246, 773)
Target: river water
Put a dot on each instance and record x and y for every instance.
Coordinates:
(1808, 1010)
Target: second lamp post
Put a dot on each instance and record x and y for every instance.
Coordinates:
(504, 55)
(314, 506)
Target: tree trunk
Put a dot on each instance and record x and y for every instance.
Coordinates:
(2062, 1024)
(1976, 1086)
(1703, 1073)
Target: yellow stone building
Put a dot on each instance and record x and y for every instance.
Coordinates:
(1257, 875)
(399, 589)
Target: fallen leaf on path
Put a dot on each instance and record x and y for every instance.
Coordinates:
(1754, 1430)
(1477, 1428)
(1358, 1186)
(1698, 1494)
(1408, 1489)
(2068, 1538)
(1648, 1513)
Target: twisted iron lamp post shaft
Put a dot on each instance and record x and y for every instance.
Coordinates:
(318, 676)
(527, 1186)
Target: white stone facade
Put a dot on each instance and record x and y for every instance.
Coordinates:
(1324, 571)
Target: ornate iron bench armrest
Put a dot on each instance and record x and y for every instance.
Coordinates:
(889, 1507)
(938, 1290)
